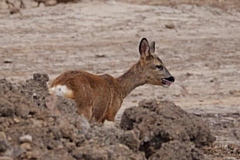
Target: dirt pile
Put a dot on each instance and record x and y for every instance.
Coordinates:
(34, 125)
(165, 129)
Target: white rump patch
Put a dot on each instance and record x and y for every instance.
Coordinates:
(61, 90)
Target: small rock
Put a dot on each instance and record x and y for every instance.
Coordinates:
(100, 55)
(3, 142)
(14, 11)
(91, 152)
(9, 138)
(22, 111)
(35, 96)
(3, 136)
(16, 120)
(3, 146)
(109, 124)
(7, 61)
(130, 139)
(7, 108)
(51, 120)
(70, 146)
(29, 155)
(51, 3)
(37, 123)
(36, 154)
(44, 124)
(56, 132)
(26, 138)
(170, 26)
(26, 146)
(236, 134)
(60, 146)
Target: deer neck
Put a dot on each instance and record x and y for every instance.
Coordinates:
(131, 79)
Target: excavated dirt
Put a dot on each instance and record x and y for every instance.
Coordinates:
(197, 41)
(30, 129)
(166, 131)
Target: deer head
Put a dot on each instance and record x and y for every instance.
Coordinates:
(153, 70)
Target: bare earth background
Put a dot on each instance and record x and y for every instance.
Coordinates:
(201, 48)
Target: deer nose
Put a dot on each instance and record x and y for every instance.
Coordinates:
(171, 79)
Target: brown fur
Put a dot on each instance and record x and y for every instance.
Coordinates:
(99, 97)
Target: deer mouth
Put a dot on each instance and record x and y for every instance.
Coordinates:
(167, 81)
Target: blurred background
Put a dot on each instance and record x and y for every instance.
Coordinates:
(198, 41)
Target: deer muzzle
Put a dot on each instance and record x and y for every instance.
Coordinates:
(168, 81)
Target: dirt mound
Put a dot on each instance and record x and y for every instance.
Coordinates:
(165, 128)
(34, 125)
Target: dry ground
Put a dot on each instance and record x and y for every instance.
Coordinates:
(202, 51)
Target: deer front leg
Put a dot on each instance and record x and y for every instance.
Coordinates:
(113, 111)
(111, 116)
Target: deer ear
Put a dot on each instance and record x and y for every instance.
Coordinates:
(144, 48)
(152, 47)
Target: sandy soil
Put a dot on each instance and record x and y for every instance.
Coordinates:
(202, 50)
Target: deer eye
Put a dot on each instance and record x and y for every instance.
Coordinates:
(160, 67)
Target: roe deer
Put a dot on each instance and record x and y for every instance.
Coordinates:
(99, 97)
